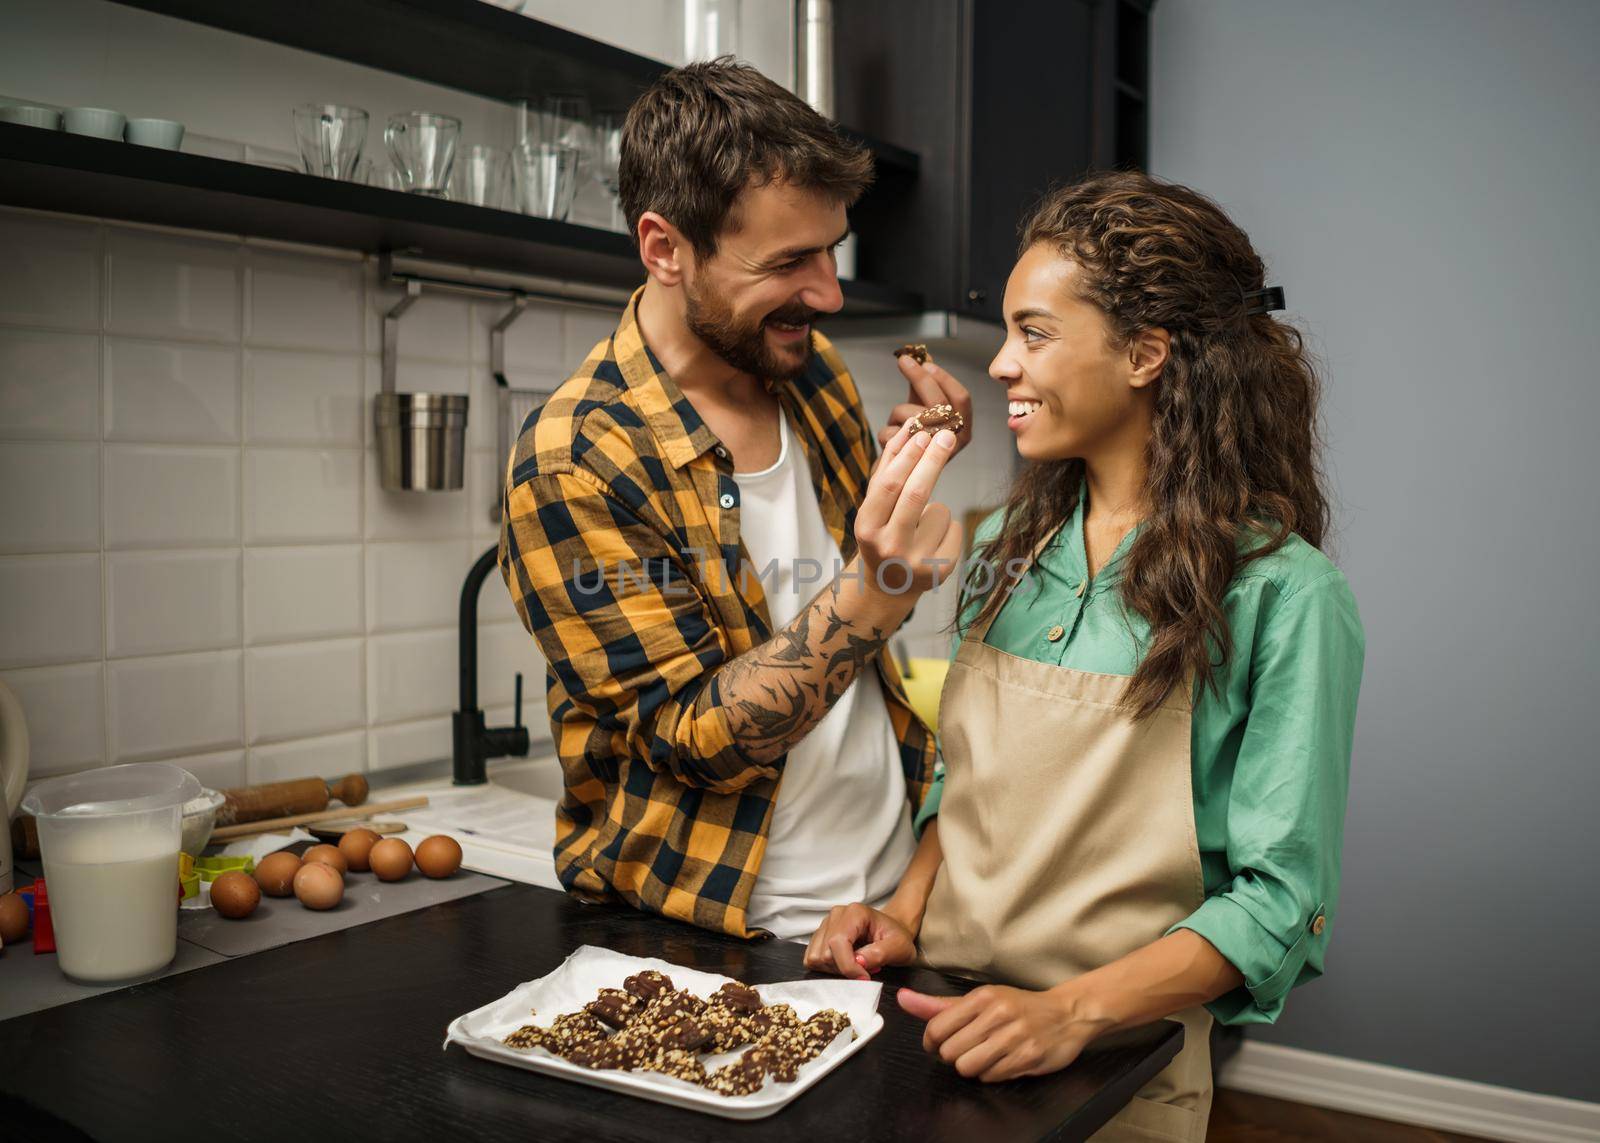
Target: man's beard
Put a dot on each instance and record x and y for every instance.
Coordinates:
(745, 346)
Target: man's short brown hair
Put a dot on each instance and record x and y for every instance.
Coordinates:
(704, 132)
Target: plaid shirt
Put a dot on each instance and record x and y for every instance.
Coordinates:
(621, 550)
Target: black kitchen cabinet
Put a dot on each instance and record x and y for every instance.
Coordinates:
(1002, 99)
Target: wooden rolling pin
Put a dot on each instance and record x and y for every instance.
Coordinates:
(244, 804)
(286, 799)
(273, 825)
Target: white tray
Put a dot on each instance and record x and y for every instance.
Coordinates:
(573, 985)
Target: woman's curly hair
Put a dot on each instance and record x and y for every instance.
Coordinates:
(1234, 452)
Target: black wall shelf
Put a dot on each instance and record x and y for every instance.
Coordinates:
(50, 170)
(465, 44)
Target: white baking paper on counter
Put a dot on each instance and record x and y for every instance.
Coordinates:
(592, 968)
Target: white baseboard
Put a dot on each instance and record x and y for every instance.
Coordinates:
(1410, 1097)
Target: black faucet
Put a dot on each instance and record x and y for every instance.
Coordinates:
(475, 742)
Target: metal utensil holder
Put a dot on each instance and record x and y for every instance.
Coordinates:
(422, 437)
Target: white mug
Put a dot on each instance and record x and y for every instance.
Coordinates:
(94, 121)
(162, 133)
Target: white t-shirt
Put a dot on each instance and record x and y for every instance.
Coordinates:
(841, 829)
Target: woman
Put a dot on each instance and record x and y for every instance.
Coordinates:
(1147, 725)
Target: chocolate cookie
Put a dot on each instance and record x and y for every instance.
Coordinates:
(685, 1034)
(917, 353)
(614, 1007)
(936, 417)
(742, 1077)
(647, 985)
(527, 1036)
(738, 998)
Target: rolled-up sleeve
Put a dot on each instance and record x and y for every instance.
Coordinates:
(624, 627)
(1286, 803)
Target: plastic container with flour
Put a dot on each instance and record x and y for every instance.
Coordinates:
(109, 842)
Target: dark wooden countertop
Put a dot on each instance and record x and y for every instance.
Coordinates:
(340, 1037)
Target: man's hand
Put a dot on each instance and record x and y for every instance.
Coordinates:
(882, 940)
(929, 385)
(899, 522)
(995, 1033)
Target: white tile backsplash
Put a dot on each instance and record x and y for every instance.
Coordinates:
(64, 708)
(196, 561)
(49, 496)
(582, 329)
(301, 495)
(332, 756)
(158, 602)
(483, 494)
(174, 704)
(52, 272)
(534, 340)
(503, 650)
(302, 689)
(217, 771)
(412, 675)
(302, 593)
(171, 391)
(436, 326)
(49, 609)
(168, 496)
(164, 286)
(303, 398)
(408, 743)
(414, 585)
(304, 303)
(49, 384)
(411, 515)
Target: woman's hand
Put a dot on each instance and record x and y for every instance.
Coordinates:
(929, 385)
(995, 1033)
(899, 522)
(883, 939)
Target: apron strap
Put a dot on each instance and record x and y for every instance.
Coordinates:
(980, 631)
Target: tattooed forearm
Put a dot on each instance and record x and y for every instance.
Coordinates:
(776, 692)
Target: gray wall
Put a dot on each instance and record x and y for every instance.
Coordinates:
(1423, 179)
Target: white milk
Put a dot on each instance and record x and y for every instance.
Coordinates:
(113, 918)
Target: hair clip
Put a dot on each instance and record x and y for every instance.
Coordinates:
(1263, 300)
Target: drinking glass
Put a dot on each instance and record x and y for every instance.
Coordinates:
(565, 120)
(608, 161)
(378, 172)
(480, 176)
(546, 177)
(330, 138)
(423, 148)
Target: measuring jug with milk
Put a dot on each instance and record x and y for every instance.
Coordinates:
(109, 840)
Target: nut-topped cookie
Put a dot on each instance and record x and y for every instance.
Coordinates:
(917, 353)
(936, 417)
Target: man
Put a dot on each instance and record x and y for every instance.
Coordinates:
(737, 749)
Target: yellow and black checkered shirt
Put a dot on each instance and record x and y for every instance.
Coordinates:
(621, 550)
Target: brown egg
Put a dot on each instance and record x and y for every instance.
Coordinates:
(235, 894)
(438, 856)
(318, 885)
(390, 859)
(356, 845)
(13, 918)
(328, 855)
(275, 873)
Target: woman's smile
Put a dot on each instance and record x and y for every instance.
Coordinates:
(1020, 409)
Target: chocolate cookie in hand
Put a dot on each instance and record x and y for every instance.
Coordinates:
(936, 417)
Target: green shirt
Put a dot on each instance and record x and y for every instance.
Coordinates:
(1270, 746)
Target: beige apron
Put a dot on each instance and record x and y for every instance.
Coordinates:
(1069, 841)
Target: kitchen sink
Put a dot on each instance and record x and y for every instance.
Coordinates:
(539, 777)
